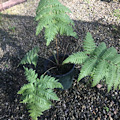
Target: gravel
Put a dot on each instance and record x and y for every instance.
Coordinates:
(81, 101)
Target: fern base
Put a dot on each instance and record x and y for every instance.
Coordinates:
(64, 73)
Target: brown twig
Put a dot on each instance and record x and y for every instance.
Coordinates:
(57, 50)
(10, 3)
(48, 70)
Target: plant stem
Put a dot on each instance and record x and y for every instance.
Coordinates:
(57, 51)
(49, 70)
(55, 59)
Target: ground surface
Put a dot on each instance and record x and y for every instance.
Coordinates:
(17, 36)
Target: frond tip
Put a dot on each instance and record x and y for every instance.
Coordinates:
(31, 57)
(89, 44)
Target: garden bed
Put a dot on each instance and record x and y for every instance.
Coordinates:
(81, 101)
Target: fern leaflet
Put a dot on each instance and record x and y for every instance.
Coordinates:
(49, 36)
(115, 59)
(99, 73)
(76, 58)
(100, 49)
(87, 68)
(110, 77)
(117, 80)
(89, 44)
(31, 57)
(109, 53)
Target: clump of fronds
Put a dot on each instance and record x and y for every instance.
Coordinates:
(51, 15)
(38, 92)
(99, 62)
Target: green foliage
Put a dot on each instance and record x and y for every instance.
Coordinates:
(99, 62)
(38, 92)
(31, 57)
(76, 58)
(89, 44)
(51, 15)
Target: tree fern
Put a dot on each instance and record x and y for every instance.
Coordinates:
(51, 15)
(31, 57)
(38, 92)
(100, 62)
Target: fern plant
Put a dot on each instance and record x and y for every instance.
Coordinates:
(51, 15)
(99, 62)
(39, 91)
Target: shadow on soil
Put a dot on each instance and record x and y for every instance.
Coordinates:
(17, 36)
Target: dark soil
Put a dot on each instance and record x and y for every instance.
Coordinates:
(81, 101)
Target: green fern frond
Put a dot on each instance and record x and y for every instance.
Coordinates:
(63, 18)
(31, 57)
(51, 95)
(89, 44)
(110, 77)
(26, 87)
(101, 63)
(50, 82)
(87, 68)
(36, 109)
(52, 16)
(56, 10)
(38, 92)
(46, 3)
(99, 72)
(49, 36)
(76, 58)
(60, 8)
(115, 59)
(65, 29)
(109, 53)
(30, 75)
(43, 14)
(44, 23)
(100, 49)
(117, 80)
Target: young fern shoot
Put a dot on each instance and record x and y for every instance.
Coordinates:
(99, 62)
